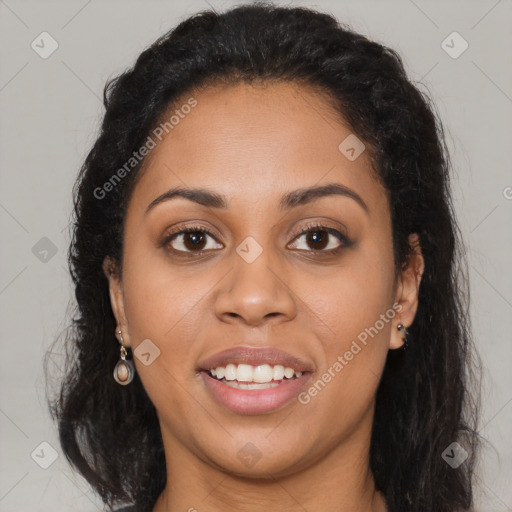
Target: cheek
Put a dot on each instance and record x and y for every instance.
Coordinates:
(356, 310)
(162, 308)
(357, 294)
(158, 294)
(165, 306)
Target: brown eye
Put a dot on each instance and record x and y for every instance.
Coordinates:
(317, 239)
(194, 240)
(190, 240)
(321, 239)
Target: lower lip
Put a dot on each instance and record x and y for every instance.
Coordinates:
(254, 401)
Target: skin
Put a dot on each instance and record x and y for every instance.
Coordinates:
(253, 144)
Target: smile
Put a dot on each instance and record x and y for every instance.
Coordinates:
(245, 397)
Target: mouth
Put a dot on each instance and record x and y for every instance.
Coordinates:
(248, 380)
(254, 390)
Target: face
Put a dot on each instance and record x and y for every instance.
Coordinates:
(261, 278)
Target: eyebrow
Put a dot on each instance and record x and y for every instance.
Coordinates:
(290, 200)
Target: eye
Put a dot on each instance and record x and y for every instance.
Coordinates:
(320, 239)
(190, 240)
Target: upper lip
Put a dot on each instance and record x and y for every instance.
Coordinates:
(254, 356)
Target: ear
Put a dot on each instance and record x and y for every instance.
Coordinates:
(407, 289)
(117, 300)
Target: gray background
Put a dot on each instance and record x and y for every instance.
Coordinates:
(51, 110)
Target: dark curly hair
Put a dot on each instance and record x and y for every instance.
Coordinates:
(111, 433)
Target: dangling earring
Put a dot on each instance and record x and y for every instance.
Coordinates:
(123, 371)
(401, 327)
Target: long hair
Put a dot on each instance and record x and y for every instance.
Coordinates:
(110, 433)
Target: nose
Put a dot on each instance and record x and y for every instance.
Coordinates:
(256, 293)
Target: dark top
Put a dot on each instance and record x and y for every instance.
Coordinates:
(130, 508)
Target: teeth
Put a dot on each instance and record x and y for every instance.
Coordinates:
(288, 373)
(245, 373)
(278, 372)
(262, 373)
(231, 373)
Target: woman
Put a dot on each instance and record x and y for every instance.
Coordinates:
(265, 255)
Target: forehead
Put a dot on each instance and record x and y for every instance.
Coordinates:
(254, 142)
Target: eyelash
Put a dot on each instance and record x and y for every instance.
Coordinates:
(345, 242)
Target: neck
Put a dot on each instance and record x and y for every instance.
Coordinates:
(339, 481)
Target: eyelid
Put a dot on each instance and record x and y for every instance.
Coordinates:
(320, 225)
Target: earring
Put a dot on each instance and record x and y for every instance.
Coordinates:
(123, 371)
(401, 327)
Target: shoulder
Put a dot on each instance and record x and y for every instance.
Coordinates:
(130, 508)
